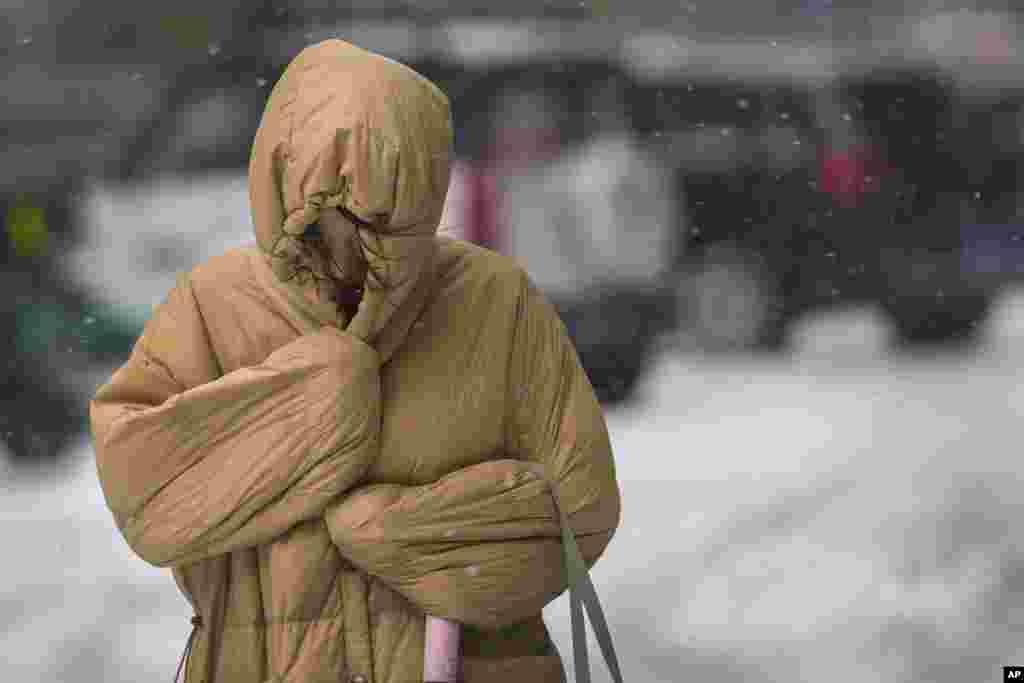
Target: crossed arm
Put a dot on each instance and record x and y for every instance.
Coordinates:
(482, 545)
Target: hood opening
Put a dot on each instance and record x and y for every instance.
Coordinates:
(351, 130)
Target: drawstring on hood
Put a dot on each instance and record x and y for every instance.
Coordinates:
(348, 129)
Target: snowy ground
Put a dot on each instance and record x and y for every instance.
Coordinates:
(843, 515)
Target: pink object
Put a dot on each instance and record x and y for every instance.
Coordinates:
(848, 174)
(441, 651)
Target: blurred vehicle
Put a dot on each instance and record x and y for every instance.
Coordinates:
(946, 118)
(895, 189)
(81, 83)
(617, 225)
(736, 123)
(911, 241)
(65, 112)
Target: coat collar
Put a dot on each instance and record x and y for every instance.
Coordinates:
(308, 316)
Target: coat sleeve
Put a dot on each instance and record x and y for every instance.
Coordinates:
(194, 463)
(482, 545)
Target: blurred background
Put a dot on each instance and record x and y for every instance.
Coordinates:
(785, 237)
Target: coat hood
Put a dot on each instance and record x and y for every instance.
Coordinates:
(344, 127)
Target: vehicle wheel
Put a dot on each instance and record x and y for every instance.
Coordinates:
(957, 320)
(40, 418)
(729, 303)
(613, 335)
(613, 372)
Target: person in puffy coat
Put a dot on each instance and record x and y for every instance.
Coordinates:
(356, 421)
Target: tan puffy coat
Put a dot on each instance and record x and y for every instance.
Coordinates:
(318, 485)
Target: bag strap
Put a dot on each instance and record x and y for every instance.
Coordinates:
(579, 582)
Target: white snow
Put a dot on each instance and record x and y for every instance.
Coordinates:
(838, 516)
(816, 519)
